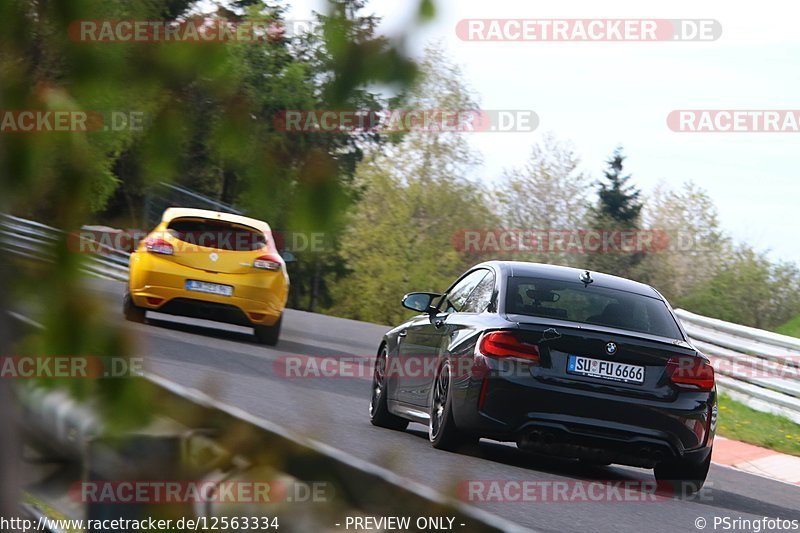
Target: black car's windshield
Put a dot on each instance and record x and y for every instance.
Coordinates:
(590, 305)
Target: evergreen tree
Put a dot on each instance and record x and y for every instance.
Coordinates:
(617, 210)
(618, 200)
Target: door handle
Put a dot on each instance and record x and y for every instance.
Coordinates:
(403, 333)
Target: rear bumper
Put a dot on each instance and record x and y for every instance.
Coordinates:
(561, 420)
(157, 284)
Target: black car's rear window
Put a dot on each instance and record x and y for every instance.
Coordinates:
(217, 234)
(590, 304)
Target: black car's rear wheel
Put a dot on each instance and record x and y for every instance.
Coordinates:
(683, 477)
(131, 311)
(379, 413)
(269, 334)
(442, 430)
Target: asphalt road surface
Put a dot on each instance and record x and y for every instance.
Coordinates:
(227, 363)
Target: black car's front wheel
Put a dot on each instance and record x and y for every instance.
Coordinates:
(379, 413)
(442, 430)
(684, 476)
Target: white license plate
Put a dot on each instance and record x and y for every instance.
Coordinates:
(598, 368)
(210, 288)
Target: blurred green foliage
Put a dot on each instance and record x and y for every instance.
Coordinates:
(208, 113)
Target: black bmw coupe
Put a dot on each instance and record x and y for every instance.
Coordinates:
(561, 361)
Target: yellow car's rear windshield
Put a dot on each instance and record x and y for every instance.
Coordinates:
(217, 234)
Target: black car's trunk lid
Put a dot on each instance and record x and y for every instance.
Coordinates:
(597, 357)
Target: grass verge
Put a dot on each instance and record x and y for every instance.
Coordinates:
(739, 422)
(792, 327)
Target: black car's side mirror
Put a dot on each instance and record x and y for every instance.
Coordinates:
(420, 301)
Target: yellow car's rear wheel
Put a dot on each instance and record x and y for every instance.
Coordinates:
(269, 334)
(131, 311)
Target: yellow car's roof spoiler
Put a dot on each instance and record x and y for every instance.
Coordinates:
(172, 213)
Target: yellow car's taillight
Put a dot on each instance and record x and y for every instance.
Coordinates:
(157, 245)
(268, 262)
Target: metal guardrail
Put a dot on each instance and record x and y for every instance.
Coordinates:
(758, 367)
(36, 241)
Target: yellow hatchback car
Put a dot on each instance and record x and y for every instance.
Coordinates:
(210, 265)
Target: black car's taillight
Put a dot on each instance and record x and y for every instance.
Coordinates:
(691, 373)
(506, 344)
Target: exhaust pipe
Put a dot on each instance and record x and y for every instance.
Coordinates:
(532, 439)
(658, 455)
